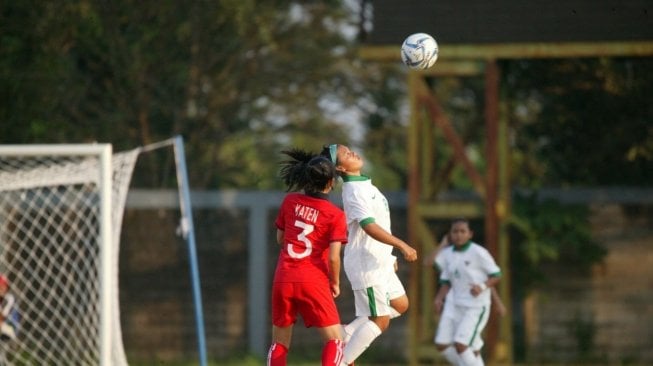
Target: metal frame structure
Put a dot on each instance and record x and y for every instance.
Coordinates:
(493, 186)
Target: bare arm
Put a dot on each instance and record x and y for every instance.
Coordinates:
(280, 236)
(489, 283)
(496, 300)
(334, 267)
(430, 260)
(378, 233)
(438, 302)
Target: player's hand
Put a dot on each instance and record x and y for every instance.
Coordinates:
(410, 254)
(335, 290)
(438, 304)
(477, 289)
(444, 241)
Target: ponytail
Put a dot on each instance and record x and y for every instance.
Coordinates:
(306, 171)
(293, 171)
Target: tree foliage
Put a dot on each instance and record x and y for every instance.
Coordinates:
(581, 122)
(238, 79)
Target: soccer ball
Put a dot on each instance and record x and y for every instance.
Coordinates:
(419, 51)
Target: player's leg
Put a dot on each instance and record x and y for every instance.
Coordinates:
(349, 329)
(370, 303)
(283, 318)
(477, 343)
(469, 328)
(333, 345)
(278, 352)
(444, 338)
(317, 307)
(397, 295)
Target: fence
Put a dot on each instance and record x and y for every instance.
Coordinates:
(237, 254)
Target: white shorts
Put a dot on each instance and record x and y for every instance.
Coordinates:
(375, 300)
(461, 324)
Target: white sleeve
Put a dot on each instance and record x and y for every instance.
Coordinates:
(356, 206)
(487, 262)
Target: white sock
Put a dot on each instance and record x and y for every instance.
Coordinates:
(451, 355)
(467, 358)
(349, 329)
(479, 360)
(364, 335)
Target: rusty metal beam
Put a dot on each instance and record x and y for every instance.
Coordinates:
(489, 51)
(439, 118)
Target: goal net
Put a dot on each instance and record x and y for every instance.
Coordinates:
(61, 209)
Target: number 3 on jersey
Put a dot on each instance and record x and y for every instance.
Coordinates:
(306, 229)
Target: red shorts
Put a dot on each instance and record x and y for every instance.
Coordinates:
(312, 301)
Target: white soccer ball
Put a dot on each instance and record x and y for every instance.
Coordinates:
(419, 51)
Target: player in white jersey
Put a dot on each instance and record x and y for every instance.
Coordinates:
(467, 272)
(368, 260)
(443, 338)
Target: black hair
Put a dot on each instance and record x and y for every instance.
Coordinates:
(463, 220)
(306, 171)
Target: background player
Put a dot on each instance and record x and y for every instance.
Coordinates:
(468, 270)
(310, 230)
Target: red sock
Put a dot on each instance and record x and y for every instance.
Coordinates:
(277, 355)
(332, 352)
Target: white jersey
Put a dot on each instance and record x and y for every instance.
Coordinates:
(366, 260)
(7, 305)
(463, 267)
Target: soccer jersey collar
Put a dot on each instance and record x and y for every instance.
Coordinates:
(355, 178)
(464, 247)
(319, 195)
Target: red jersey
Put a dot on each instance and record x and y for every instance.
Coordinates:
(309, 224)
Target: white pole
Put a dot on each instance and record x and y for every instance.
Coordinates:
(106, 253)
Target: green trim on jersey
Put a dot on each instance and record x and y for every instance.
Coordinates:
(478, 323)
(355, 178)
(444, 282)
(462, 248)
(371, 301)
(366, 221)
(496, 274)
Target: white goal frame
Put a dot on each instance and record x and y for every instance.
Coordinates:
(104, 179)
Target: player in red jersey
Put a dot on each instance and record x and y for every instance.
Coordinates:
(310, 230)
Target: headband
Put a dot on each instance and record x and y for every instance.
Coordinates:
(333, 152)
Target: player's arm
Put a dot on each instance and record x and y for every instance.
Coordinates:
(280, 236)
(438, 302)
(334, 267)
(500, 308)
(378, 233)
(489, 283)
(430, 260)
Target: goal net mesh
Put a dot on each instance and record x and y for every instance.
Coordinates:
(50, 250)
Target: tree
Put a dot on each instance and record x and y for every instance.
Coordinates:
(239, 80)
(582, 122)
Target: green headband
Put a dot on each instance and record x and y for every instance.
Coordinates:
(333, 152)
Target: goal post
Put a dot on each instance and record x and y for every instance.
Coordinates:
(61, 210)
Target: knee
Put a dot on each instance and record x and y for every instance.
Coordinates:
(383, 322)
(400, 305)
(460, 348)
(441, 347)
